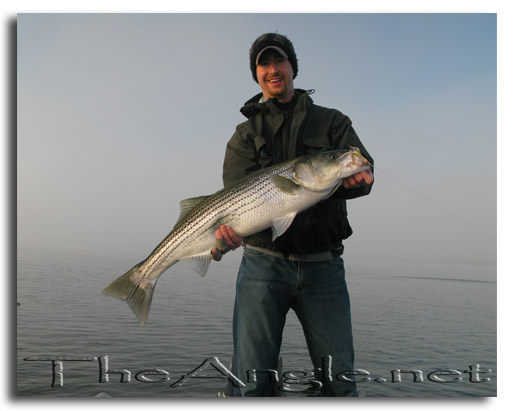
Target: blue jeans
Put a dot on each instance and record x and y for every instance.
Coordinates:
(267, 287)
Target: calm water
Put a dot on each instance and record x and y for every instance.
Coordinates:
(412, 317)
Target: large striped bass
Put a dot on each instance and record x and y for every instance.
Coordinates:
(271, 197)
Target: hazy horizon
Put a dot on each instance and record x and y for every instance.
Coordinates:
(120, 117)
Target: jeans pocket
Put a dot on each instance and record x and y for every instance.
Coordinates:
(337, 262)
(250, 252)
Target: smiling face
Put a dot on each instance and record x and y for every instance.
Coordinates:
(275, 76)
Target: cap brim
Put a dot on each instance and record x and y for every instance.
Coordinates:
(282, 52)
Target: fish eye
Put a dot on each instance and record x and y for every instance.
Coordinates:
(332, 156)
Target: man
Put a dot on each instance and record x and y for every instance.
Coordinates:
(302, 269)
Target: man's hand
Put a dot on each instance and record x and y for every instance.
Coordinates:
(358, 180)
(226, 239)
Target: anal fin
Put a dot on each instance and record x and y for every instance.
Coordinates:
(200, 263)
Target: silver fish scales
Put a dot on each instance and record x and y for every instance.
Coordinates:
(271, 197)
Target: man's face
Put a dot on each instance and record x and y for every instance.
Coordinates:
(275, 76)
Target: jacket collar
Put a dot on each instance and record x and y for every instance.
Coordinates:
(254, 105)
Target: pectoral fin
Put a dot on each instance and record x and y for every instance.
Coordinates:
(281, 224)
(285, 185)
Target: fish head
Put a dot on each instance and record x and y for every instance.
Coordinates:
(325, 170)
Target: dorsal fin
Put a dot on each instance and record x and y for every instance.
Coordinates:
(187, 205)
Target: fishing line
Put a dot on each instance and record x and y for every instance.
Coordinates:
(436, 205)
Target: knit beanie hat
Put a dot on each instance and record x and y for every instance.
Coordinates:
(276, 41)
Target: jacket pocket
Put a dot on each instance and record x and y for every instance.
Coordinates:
(262, 152)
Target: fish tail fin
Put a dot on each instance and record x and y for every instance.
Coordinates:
(138, 294)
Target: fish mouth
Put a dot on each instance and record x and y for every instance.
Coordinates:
(355, 158)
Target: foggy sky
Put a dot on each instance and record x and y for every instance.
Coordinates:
(122, 116)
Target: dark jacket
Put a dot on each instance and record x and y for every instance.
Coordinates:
(274, 133)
